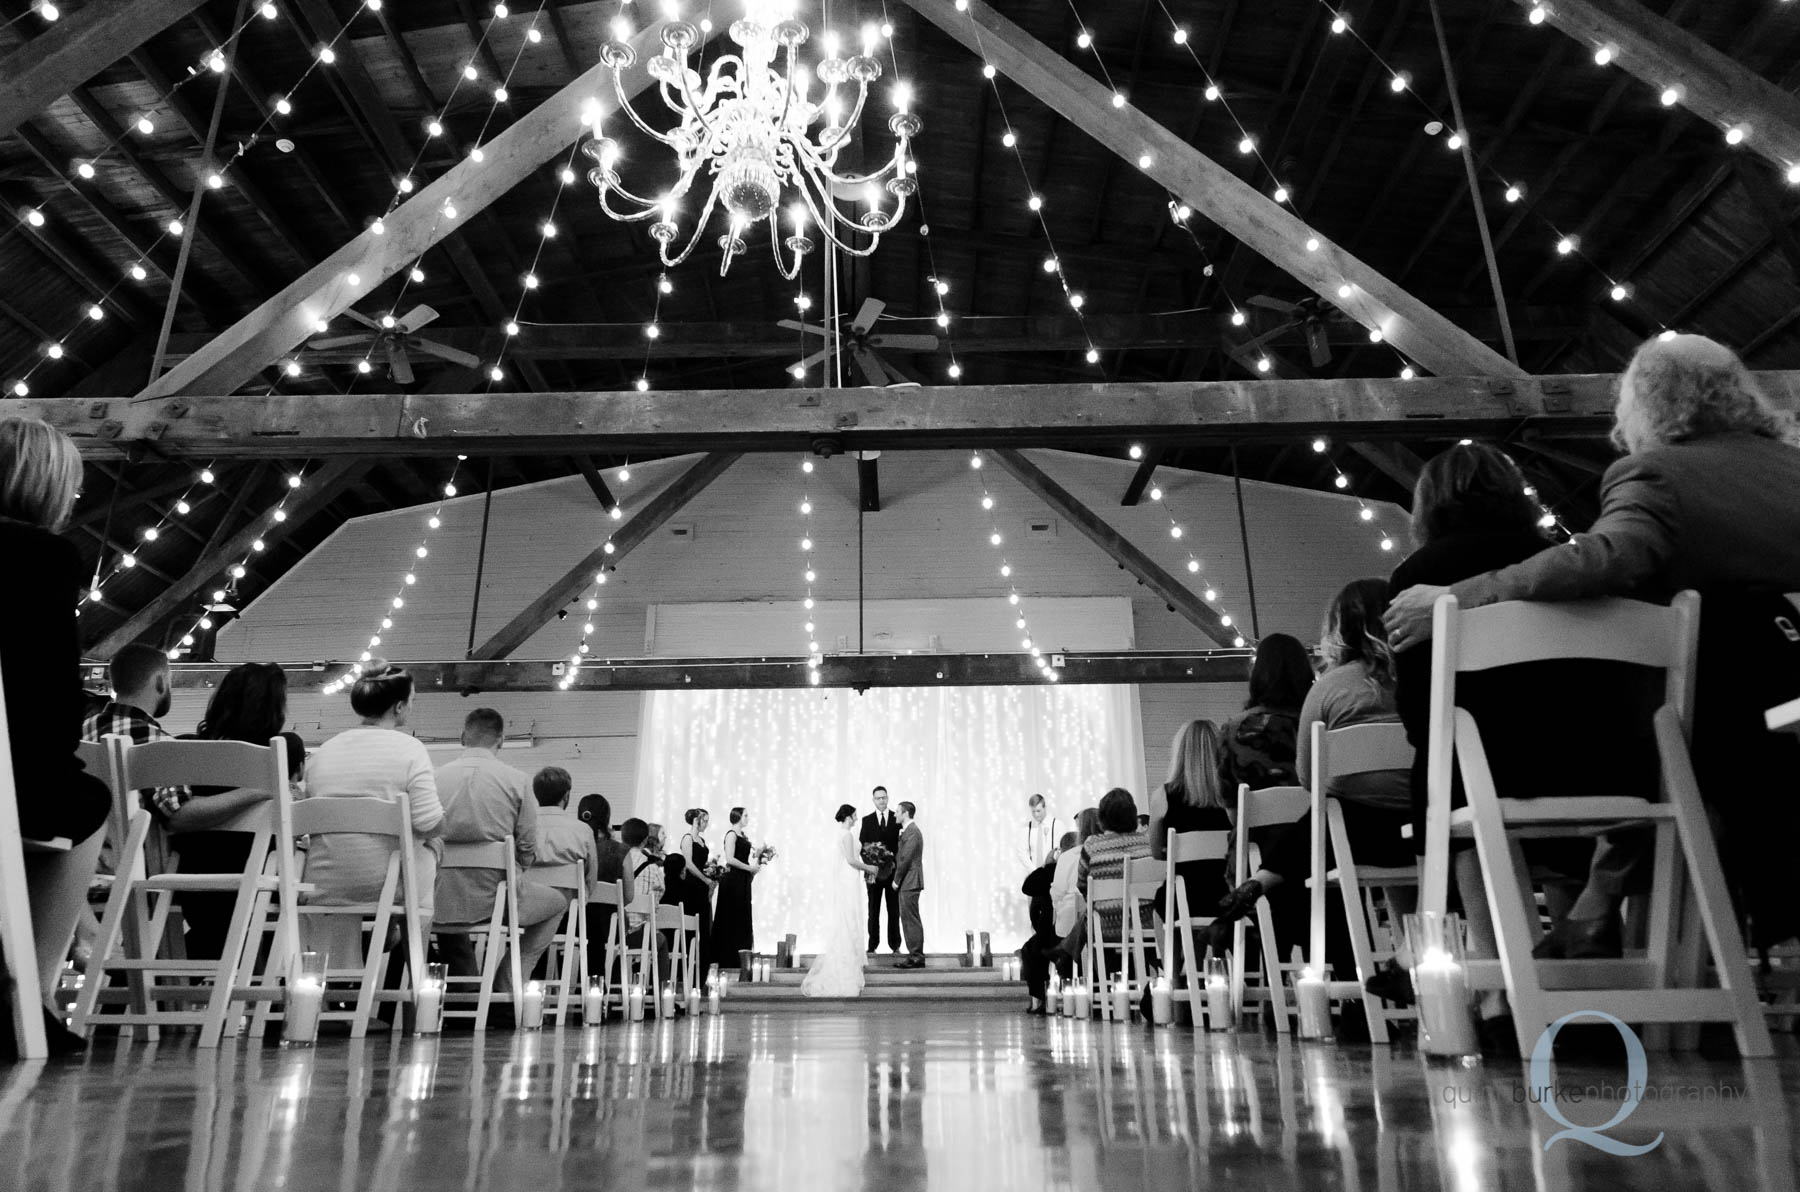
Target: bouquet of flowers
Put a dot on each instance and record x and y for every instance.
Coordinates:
(877, 854)
(765, 854)
(715, 869)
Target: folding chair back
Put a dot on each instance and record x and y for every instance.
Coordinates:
(1179, 920)
(1656, 988)
(566, 960)
(1338, 754)
(232, 765)
(612, 948)
(499, 934)
(674, 920)
(1271, 807)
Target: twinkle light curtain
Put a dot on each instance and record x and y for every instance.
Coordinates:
(968, 757)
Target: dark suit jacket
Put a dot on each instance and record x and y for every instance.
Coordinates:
(889, 835)
(909, 859)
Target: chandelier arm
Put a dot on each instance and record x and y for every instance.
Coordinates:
(844, 130)
(687, 94)
(654, 206)
(626, 216)
(687, 250)
(631, 112)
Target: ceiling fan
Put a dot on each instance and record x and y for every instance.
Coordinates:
(1308, 314)
(861, 342)
(395, 337)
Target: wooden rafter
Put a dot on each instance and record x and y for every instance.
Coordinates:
(1270, 229)
(75, 49)
(324, 291)
(1118, 548)
(1078, 415)
(645, 522)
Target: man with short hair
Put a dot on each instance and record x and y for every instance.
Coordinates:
(141, 697)
(1042, 832)
(909, 880)
(880, 827)
(484, 800)
(562, 840)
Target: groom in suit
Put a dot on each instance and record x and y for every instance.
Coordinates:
(909, 879)
(880, 827)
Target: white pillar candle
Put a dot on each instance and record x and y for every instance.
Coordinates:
(634, 1003)
(1218, 1003)
(1162, 1002)
(693, 999)
(1083, 1006)
(305, 999)
(713, 997)
(1314, 996)
(593, 1004)
(532, 1006)
(429, 1013)
(667, 1009)
(1121, 1000)
(1445, 1025)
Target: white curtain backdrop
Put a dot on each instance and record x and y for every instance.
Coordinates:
(968, 757)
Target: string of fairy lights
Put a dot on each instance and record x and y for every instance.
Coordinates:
(809, 575)
(591, 605)
(997, 540)
(1195, 565)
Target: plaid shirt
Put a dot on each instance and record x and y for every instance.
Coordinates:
(141, 728)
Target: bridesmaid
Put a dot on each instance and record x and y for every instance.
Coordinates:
(696, 897)
(734, 929)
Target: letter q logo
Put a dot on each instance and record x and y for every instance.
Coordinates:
(1636, 1068)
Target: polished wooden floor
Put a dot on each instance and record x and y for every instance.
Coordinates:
(899, 1099)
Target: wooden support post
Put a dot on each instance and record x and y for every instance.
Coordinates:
(324, 291)
(1147, 571)
(324, 487)
(580, 577)
(596, 481)
(1712, 85)
(1414, 328)
(75, 49)
(1140, 479)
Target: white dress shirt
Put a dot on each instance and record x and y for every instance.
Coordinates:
(1041, 837)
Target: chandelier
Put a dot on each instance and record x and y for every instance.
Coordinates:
(758, 129)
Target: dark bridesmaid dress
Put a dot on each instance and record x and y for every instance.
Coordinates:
(733, 928)
(696, 899)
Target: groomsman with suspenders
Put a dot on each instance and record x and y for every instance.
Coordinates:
(1042, 833)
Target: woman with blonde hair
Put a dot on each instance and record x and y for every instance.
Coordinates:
(1707, 497)
(40, 659)
(1190, 800)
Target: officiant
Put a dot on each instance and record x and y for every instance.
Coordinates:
(882, 827)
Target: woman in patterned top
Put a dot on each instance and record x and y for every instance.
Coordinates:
(1257, 746)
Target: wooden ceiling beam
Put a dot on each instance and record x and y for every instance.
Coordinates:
(1120, 549)
(153, 255)
(78, 262)
(744, 674)
(1412, 327)
(1715, 87)
(75, 49)
(595, 481)
(1077, 414)
(324, 487)
(285, 321)
(1140, 479)
(634, 533)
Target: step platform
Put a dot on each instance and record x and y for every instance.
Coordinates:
(944, 981)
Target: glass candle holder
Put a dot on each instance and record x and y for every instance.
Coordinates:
(1441, 984)
(1218, 995)
(429, 1007)
(305, 1000)
(1312, 993)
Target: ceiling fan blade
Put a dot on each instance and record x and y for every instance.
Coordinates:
(338, 341)
(432, 347)
(1268, 303)
(873, 371)
(1251, 345)
(905, 343)
(795, 325)
(399, 367)
(1318, 343)
(417, 317)
(360, 317)
(865, 318)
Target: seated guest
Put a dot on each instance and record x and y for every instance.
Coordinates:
(1103, 857)
(249, 705)
(1190, 800)
(141, 697)
(645, 870)
(485, 800)
(1065, 910)
(375, 760)
(609, 866)
(1708, 498)
(562, 840)
(1356, 688)
(1257, 746)
(40, 658)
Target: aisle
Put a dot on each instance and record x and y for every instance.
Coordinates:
(834, 1101)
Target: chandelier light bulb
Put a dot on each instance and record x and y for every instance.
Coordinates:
(942, 287)
(20, 389)
(1210, 594)
(1367, 514)
(1376, 335)
(643, 384)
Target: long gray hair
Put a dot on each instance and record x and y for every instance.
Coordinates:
(1686, 386)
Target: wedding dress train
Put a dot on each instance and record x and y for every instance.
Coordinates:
(837, 970)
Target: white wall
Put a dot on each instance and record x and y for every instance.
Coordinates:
(928, 544)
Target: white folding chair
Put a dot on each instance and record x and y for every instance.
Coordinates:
(674, 920)
(17, 938)
(1341, 753)
(232, 765)
(612, 948)
(1179, 921)
(1128, 893)
(328, 926)
(565, 964)
(1271, 807)
(500, 933)
(1636, 990)
(690, 926)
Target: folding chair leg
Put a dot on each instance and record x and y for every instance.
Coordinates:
(1351, 894)
(1272, 968)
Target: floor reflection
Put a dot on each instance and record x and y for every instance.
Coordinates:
(847, 1102)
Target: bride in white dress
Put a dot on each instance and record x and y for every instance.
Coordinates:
(837, 971)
